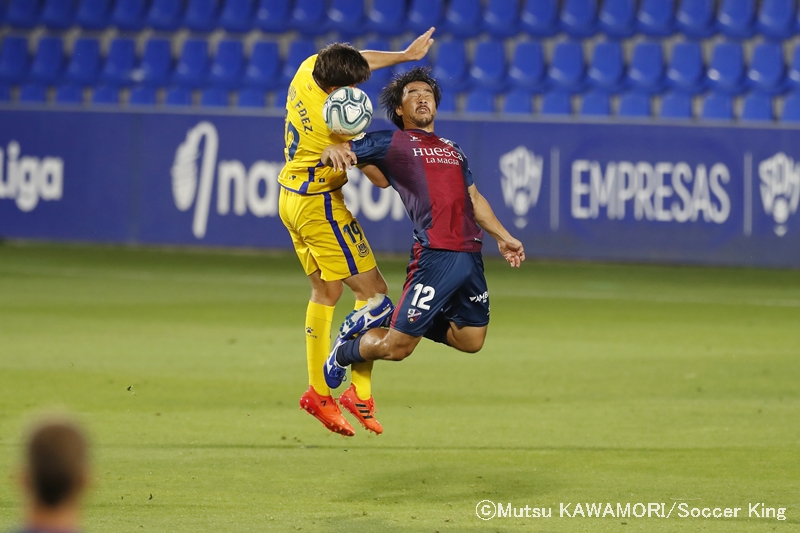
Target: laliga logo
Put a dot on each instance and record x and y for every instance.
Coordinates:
(522, 180)
(780, 189)
(192, 188)
(29, 179)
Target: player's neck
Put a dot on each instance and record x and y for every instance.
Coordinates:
(414, 126)
(63, 518)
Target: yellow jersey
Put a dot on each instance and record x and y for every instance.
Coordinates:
(306, 135)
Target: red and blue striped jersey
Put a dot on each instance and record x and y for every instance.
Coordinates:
(432, 176)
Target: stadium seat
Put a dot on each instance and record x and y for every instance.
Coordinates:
(695, 18)
(22, 13)
(309, 17)
(69, 94)
(251, 97)
(526, 71)
(448, 102)
(791, 108)
(566, 72)
(776, 19)
(607, 69)
(767, 69)
(201, 15)
(726, 70)
(272, 16)
(84, 64)
(401, 68)
(5, 92)
(2, 19)
(686, 72)
(646, 72)
(540, 17)
(656, 18)
(424, 14)
(556, 103)
(635, 104)
(191, 70)
(450, 69)
(501, 18)
(33, 93)
(299, 51)
(105, 94)
(579, 17)
(717, 106)
(618, 17)
(595, 104)
(93, 14)
(120, 63)
(462, 18)
(14, 59)
(793, 75)
(237, 15)
(165, 15)
(226, 69)
(48, 62)
(142, 95)
(387, 17)
(58, 14)
(757, 107)
(518, 102)
(736, 18)
(346, 17)
(676, 105)
(128, 14)
(178, 96)
(489, 66)
(263, 68)
(214, 97)
(156, 65)
(479, 101)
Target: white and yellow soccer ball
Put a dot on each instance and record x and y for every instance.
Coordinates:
(347, 111)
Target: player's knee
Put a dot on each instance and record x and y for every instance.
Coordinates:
(326, 293)
(398, 353)
(472, 345)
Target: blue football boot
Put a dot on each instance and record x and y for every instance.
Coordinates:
(372, 315)
(334, 373)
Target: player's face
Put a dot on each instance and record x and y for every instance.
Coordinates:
(418, 107)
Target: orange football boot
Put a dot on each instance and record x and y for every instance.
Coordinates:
(324, 409)
(363, 410)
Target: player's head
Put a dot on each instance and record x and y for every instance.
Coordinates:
(56, 463)
(411, 99)
(340, 65)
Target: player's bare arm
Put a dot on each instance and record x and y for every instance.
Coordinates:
(510, 248)
(375, 175)
(338, 156)
(416, 50)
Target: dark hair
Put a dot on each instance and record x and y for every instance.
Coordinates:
(392, 95)
(57, 462)
(340, 65)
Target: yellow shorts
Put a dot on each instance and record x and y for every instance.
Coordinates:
(325, 234)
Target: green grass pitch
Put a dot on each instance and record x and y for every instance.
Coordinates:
(598, 383)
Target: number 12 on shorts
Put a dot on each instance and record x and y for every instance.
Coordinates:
(426, 292)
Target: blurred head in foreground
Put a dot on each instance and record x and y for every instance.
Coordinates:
(54, 475)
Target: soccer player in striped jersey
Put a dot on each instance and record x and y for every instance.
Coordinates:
(327, 238)
(445, 297)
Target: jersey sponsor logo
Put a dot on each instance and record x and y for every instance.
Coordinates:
(481, 298)
(413, 315)
(662, 192)
(437, 152)
(28, 179)
(521, 182)
(780, 189)
(254, 190)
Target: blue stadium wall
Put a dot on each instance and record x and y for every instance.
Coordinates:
(575, 190)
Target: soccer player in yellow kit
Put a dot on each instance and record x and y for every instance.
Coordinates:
(327, 238)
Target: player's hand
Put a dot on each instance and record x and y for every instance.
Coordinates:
(339, 156)
(512, 251)
(419, 47)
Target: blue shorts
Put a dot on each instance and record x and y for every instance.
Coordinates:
(442, 282)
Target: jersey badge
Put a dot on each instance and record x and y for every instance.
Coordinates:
(363, 249)
(413, 315)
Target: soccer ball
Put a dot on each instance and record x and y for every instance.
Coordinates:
(347, 111)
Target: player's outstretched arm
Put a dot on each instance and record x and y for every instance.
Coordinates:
(416, 50)
(510, 248)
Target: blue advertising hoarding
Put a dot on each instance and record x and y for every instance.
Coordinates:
(633, 192)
